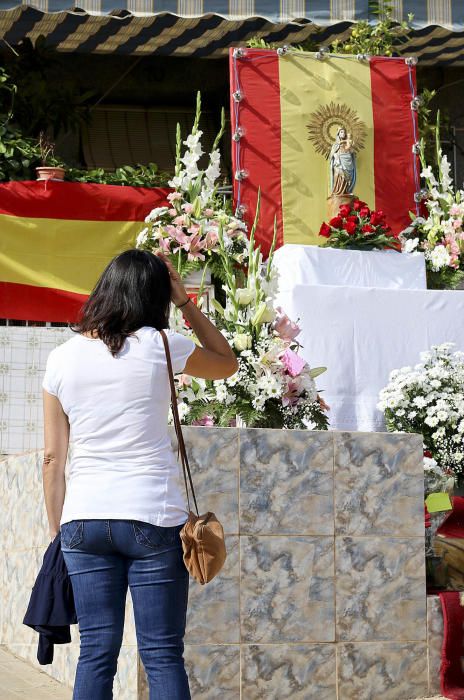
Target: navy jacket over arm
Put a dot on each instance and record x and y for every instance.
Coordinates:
(51, 607)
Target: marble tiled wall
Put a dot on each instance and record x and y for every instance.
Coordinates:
(23, 541)
(435, 634)
(323, 592)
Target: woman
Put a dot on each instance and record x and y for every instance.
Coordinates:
(124, 506)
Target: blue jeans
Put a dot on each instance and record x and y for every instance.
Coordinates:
(103, 558)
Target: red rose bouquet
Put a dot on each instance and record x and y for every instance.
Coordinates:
(356, 226)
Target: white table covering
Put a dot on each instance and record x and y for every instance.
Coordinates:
(361, 334)
(306, 264)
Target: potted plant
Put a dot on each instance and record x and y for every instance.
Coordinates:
(48, 171)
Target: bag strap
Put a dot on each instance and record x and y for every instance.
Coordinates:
(180, 438)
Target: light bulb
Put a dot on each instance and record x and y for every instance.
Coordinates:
(238, 134)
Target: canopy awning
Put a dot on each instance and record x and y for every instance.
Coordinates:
(207, 28)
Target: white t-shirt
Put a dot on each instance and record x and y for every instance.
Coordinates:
(122, 465)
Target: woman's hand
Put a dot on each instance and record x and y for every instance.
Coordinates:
(178, 293)
(322, 403)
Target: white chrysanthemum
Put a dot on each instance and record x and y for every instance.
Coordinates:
(410, 245)
(258, 403)
(430, 464)
(439, 257)
(184, 408)
(419, 401)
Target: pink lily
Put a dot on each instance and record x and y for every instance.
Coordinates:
(285, 328)
(194, 246)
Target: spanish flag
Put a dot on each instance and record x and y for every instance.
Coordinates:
(56, 238)
(307, 126)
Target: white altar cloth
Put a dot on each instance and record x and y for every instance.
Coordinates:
(360, 334)
(307, 264)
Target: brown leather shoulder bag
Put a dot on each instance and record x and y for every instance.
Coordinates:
(202, 535)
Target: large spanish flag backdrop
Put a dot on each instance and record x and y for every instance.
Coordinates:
(57, 237)
(286, 111)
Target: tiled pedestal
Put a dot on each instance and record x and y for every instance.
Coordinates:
(323, 594)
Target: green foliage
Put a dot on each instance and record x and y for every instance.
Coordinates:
(380, 39)
(275, 415)
(49, 97)
(19, 156)
(428, 116)
(259, 43)
(137, 176)
(446, 278)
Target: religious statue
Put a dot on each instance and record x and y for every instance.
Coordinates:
(342, 161)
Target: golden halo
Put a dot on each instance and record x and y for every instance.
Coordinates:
(325, 122)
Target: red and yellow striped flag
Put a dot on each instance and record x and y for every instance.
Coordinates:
(57, 237)
(286, 112)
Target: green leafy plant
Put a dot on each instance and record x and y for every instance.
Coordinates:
(48, 96)
(131, 176)
(19, 155)
(383, 38)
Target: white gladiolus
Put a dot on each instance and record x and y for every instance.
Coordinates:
(155, 214)
(142, 237)
(427, 174)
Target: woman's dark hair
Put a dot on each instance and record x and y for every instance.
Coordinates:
(133, 291)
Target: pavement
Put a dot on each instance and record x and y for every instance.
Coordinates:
(18, 679)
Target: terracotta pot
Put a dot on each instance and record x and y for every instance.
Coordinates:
(46, 172)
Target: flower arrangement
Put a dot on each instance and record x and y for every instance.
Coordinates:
(440, 236)
(429, 399)
(356, 226)
(187, 230)
(274, 387)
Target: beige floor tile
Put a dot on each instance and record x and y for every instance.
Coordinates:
(18, 679)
